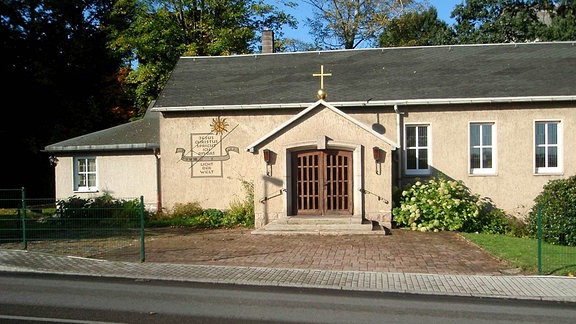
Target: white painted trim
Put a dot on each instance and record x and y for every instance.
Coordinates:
(428, 171)
(560, 143)
(252, 147)
(376, 103)
(494, 168)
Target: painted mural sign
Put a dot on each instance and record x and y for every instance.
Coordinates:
(207, 153)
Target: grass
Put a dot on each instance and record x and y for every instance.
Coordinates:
(523, 253)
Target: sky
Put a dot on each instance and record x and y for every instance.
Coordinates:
(303, 11)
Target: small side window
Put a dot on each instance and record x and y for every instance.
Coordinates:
(548, 147)
(85, 174)
(482, 148)
(417, 149)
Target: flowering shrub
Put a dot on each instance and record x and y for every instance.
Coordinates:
(437, 205)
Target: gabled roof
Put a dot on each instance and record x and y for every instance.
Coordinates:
(402, 75)
(138, 135)
(320, 103)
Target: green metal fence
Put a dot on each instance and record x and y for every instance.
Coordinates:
(553, 257)
(93, 228)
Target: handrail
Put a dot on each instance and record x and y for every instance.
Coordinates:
(364, 191)
(279, 193)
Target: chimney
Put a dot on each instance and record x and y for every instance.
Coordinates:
(267, 42)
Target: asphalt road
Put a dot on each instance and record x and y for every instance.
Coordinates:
(34, 298)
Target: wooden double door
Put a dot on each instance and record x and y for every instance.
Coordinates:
(322, 182)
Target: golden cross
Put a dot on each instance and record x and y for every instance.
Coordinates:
(322, 75)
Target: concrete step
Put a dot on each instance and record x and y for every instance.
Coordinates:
(324, 225)
(317, 220)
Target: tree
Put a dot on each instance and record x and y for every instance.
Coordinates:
(349, 23)
(562, 26)
(505, 21)
(294, 45)
(417, 29)
(61, 81)
(160, 31)
(495, 21)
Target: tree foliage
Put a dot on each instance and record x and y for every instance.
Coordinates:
(505, 21)
(72, 67)
(160, 31)
(61, 81)
(349, 23)
(562, 25)
(485, 21)
(417, 29)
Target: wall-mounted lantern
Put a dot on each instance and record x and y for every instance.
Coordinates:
(53, 160)
(268, 159)
(377, 159)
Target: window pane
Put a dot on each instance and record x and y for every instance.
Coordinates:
(552, 133)
(411, 159)
(411, 136)
(540, 134)
(422, 136)
(486, 134)
(91, 180)
(552, 157)
(423, 159)
(81, 180)
(91, 165)
(475, 158)
(81, 165)
(487, 158)
(474, 135)
(540, 157)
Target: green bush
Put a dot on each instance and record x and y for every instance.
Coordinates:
(241, 212)
(557, 203)
(440, 204)
(187, 210)
(490, 221)
(100, 210)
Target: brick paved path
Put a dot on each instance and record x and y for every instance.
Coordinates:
(402, 251)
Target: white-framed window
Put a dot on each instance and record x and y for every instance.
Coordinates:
(482, 148)
(85, 174)
(417, 149)
(548, 147)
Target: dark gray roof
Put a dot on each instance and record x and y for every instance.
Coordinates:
(138, 135)
(385, 74)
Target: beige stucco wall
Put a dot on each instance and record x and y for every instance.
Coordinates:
(121, 176)
(515, 184)
(321, 127)
(513, 187)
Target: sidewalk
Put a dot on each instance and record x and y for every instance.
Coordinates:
(544, 288)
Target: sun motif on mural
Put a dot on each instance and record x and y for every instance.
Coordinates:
(219, 125)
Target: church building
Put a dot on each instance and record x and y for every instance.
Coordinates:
(333, 135)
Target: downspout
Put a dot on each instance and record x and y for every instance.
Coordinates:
(158, 187)
(400, 143)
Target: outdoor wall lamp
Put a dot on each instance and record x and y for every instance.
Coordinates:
(53, 160)
(267, 159)
(377, 157)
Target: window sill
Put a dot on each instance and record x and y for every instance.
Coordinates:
(86, 191)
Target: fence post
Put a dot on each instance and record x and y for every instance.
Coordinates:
(539, 240)
(24, 242)
(142, 249)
